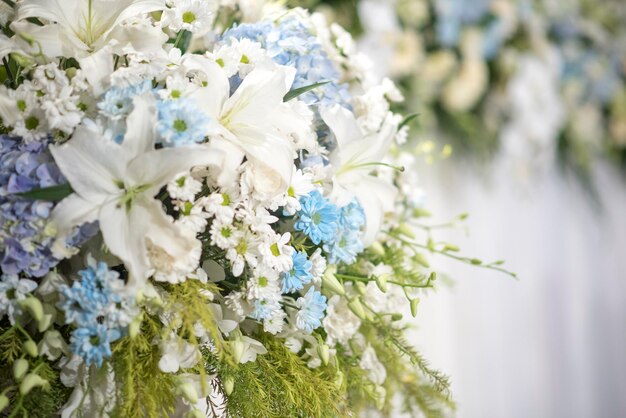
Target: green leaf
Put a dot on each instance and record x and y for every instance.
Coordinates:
(183, 40)
(408, 120)
(299, 91)
(50, 194)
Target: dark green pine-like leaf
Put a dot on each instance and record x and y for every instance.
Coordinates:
(50, 194)
(299, 91)
(408, 120)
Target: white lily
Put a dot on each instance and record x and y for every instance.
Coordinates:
(255, 120)
(353, 160)
(115, 184)
(80, 27)
(88, 30)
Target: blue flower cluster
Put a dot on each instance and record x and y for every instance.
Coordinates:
(262, 309)
(25, 236)
(346, 243)
(98, 310)
(117, 102)
(337, 229)
(317, 218)
(299, 275)
(312, 307)
(181, 122)
(293, 43)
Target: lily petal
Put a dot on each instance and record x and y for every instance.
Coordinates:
(377, 197)
(97, 68)
(141, 123)
(124, 233)
(72, 211)
(342, 123)
(92, 164)
(156, 168)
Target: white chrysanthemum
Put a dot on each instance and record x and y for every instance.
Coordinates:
(245, 252)
(49, 79)
(318, 265)
(240, 56)
(221, 205)
(264, 284)
(184, 187)
(192, 216)
(62, 110)
(177, 85)
(195, 16)
(276, 323)
(258, 218)
(224, 235)
(277, 252)
(301, 185)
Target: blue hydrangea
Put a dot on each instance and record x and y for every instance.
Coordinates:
(312, 306)
(299, 275)
(93, 343)
(26, 236)
(292, 42)
(317, 218)
(25, 239)
(346, 243)
(181, 122)
(98, 309)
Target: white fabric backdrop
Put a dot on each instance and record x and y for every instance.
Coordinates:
(552, 344)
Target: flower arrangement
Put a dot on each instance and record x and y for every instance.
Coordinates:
(203, 213)
(535, 80)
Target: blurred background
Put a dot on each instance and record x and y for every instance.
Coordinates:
(530, 97)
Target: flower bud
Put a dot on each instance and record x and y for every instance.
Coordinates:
(20, 367)
(31, 381)
(361, 288)
(194, 413)
(406, 230)
(238, 348)
(330, 282)
(31, 348)
(33, 306)
(4, 402)
(396, 317)
(338, 379)
(229, 385)
(188, 392)
(45, 322)
(378, 248)
(324, 352)
(414, 304)
(381, 282)
(357, 308)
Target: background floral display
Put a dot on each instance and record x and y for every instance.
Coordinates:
(536, 79)
(205, 212)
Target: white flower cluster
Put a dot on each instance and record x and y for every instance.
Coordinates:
(233, 179)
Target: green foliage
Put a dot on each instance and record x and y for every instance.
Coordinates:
(39, 402)
(422, 388)
(279, 384)
(144, 391)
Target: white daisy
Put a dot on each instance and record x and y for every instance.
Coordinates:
(277, 252)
